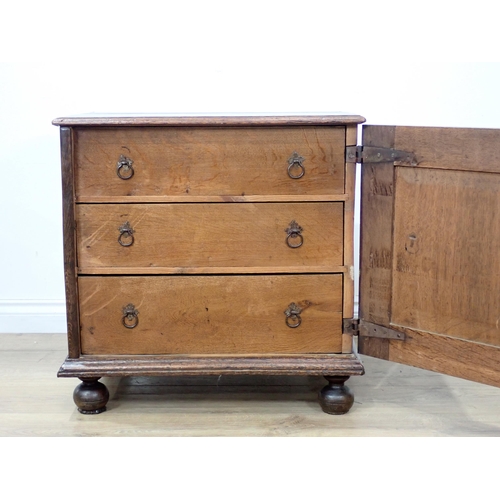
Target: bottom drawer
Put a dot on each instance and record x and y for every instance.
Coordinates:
(211, 314)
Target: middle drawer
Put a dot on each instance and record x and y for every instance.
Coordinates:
(149, 238)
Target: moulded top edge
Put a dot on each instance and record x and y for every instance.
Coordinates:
(209, 119)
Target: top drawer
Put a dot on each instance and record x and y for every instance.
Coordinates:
(212, 164)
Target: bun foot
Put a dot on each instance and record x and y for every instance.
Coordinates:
(91, 396)
(335, 398)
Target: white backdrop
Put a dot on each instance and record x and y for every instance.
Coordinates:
(212, 56)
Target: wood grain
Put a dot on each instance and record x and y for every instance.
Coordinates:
(350, 181)
(430, 264)
(377, 190)
(347, 346)
(351, 135)
(154, 366)
(210, 195)
(446, 267)
(212, 235)
(170, 161)
(211, 314)
(350, 184)
(446, 354)
(69, 241)
(475, 150)
(211, 120)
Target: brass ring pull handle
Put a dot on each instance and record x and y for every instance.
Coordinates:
(292, 315)
(294, 163)
(124, 168)
(294, 233)
(130, 316)
(126, 237)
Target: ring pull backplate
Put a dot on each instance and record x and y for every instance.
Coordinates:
(294, 238)
(126, 237)
(296, 169)
(130, 316)
(292, 315)
(124, 168)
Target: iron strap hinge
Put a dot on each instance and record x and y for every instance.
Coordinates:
(366, 329)
(350, 326)
(371, 154)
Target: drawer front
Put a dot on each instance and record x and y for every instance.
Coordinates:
(202, 162)
(175, 237)
(211, 314)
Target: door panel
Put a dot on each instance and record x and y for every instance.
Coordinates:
(430, 251)
(446, 268)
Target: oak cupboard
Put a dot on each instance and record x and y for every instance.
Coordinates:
(218, 245)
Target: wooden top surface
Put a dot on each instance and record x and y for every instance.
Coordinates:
(209, 119)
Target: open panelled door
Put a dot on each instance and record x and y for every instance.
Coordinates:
(430, 250)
